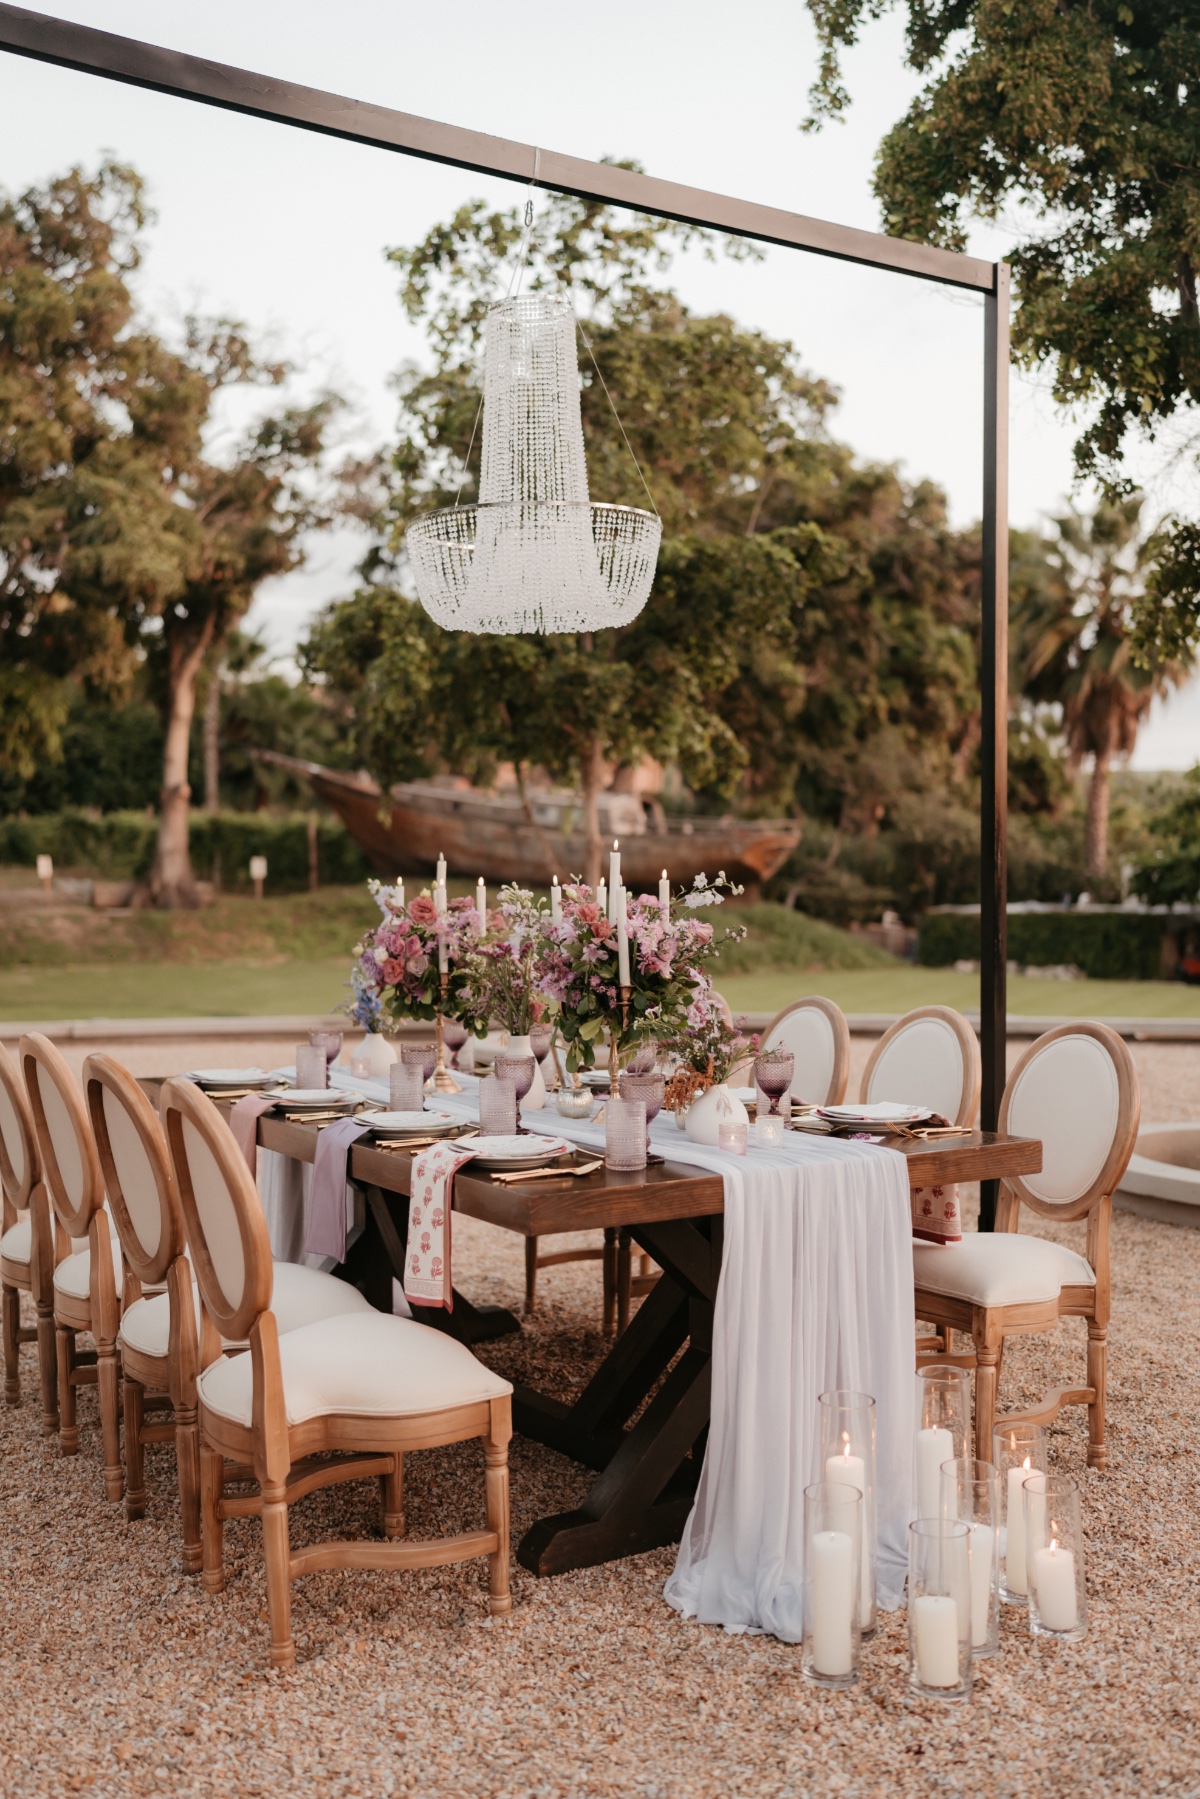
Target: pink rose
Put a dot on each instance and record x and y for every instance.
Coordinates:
(588, 913)
(422, 910)
(391, 971)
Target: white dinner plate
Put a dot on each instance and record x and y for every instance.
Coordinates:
(519, 1152)
(311, 1099)
(883, 1111)
(412, 1124)
(229, 1077)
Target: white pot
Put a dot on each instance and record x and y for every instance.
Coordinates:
(535, 1099)
(378, 1053)
(710, 1111)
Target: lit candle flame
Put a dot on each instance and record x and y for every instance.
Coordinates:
(846, 1444)
(1054, 1545)
(1027, 1464)
(664, 874)
(616, 843)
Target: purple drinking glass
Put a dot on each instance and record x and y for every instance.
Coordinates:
(454, 1035)
(541, 1036)
(329, 1041)
(773, 1071)
(520, 1071)
(420, 1055)
(644, 1059)
(649, 1089)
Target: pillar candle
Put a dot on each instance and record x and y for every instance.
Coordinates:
(1014, 1547)
(622, 941)
(982, 1550)
(481, 903)
(851, 1471)
(614, 864)
(934, 1446)
(832, 1599)
(935, 1629)
(664, 890)
(1053, 1572)
(555, 901)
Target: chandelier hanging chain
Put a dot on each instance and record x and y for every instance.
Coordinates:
(620, 427)
(514, 279)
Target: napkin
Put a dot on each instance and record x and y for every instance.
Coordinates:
(427, 1260)
(937, 1213)
(243, 1122)
(326, 1234)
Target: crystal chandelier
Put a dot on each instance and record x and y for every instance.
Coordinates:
(535, 554)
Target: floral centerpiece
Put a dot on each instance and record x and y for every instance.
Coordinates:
(397, 971)
(669, 987)
(706, 1053)
(499, 972)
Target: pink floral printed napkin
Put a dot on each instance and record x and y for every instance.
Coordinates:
(937, 1214)
(427, 1262)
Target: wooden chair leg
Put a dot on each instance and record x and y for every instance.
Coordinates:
(212, 1528)
(393, 1494)
(611, 1266)
(987, 1381)
(48, 1370)
(531, 1255)
(496, 1459)
(624, 1280)
(1097, 1379)
(135, 1461)
(10, 1323)
(68, 1430)
(108, 1381)
(187, 1463)
(277, 1553)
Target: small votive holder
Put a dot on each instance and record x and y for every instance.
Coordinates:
(848, 1457)
(312, 1070)
(943, 1409)
(1018, 1450)
(939, 1608)
(734, 1136)
(833, 1522)
(625, 1133)
(406, 1087)
(768, 1129)
(1054, 1558)
(574, 1102)
(497, 1107)
(360, 1067)
(971, 1493)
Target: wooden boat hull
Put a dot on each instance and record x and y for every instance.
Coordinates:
(405, 832)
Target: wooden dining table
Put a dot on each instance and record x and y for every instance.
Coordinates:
(641, 1421)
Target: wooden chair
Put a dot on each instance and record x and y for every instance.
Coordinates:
(158, 1338)
(930, 1057)
(365, 1388)
(26, 1246)
(1076, 1089)
(816, 1032)
(87, 1284)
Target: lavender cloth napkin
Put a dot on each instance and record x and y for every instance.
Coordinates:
(243, 1122)
(327, 1199)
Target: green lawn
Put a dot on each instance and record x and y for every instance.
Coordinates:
(247, 989)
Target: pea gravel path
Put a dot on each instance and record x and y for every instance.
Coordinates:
(118, 1677)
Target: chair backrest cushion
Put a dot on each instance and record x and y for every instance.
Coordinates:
(1068, 1094)
(809, 1034)
(923, 1064)
(18, 1149)
(229, 1247)
(72, 1168)
(136, 1163)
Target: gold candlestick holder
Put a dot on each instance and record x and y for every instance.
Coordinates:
(443, 1080)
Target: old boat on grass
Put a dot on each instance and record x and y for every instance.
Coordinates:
(505, 838)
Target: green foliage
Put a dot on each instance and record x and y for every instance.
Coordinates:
(1108, 946)
(777, 937)
(120, 846)
(1172, 872)
(111, 762)
(1082, 122)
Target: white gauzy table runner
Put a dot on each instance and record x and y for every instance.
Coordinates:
(816, 1292)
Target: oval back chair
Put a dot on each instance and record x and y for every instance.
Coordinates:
(87, 1284)
(816, 1032)
(930, 1057)
(1075, 1089)
(26, 1244)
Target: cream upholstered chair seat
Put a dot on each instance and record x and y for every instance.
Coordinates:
(16, 1245)
(299, 1296)
(362, 1366)
(72, 1277)
(999, 1269)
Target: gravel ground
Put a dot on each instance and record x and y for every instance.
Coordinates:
(118, 1676)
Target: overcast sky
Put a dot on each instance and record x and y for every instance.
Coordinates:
(286, 230)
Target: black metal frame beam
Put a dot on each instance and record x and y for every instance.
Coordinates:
(79, 47)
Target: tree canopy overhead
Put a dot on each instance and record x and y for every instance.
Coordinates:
(1077, 121)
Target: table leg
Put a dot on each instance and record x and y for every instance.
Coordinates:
(647, 1472)
(382, 1247)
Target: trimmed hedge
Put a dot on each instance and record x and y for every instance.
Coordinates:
(1108, 946)
(120, 846)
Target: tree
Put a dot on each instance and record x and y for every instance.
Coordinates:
(1072, 645)
(121, 540)
(768, 526)
(1079, 122)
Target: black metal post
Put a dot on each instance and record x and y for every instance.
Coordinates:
(993, 677)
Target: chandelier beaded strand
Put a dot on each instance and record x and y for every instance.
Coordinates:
(536, 554)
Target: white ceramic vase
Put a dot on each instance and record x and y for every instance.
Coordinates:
(535, 1099)
(710, 1111)
(378, 1053)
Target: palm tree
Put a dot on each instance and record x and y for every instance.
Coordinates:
(1071, 646)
